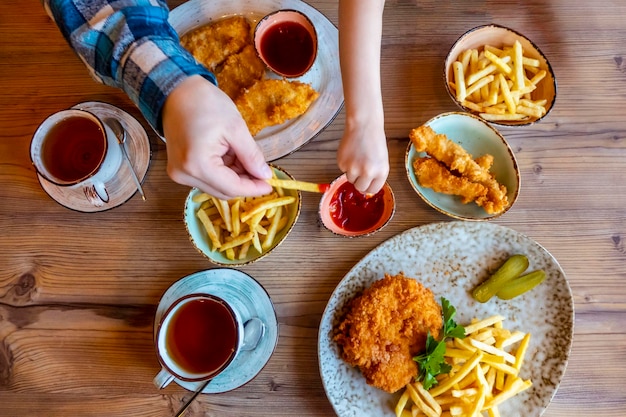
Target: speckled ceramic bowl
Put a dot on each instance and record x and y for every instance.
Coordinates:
(500, 36)
(451, 258)
(200, 239)
(328, 208)
(477, 137)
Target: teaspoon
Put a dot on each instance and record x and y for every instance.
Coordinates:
(252, 334)
(120, 134)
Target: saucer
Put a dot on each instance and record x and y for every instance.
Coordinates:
(246, 295)
(121, 187)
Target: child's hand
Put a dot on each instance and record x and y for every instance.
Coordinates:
(363, 156)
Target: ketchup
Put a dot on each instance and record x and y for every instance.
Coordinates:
(353, 211)
(288, 48)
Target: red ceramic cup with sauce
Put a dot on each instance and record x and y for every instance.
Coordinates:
(286, 42)
(346, 211)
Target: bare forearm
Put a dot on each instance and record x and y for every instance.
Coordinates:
(360, 32)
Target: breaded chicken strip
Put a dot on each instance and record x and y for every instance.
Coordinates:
(211, 44)
(433, 174)
(240, 71)
(386, 327)
(270, 102)
(457, 159)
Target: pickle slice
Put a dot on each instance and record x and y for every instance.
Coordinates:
(511, 269)
(520, 285)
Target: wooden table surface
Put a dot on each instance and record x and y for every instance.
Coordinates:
(78, 291)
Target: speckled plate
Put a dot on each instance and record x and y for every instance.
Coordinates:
(450, 259)
(324, 76)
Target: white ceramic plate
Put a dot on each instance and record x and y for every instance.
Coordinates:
(324, 76)
(451, 259)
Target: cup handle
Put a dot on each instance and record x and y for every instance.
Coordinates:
(96, 193)
(162, 379)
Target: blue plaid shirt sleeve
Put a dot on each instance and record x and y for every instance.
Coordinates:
(128, 44)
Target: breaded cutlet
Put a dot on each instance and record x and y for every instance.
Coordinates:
(270, 102)
(385, 327)
(212, 44)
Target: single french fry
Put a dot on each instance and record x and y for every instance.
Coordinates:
(234, 218)
(256, 242)
(200, 197)
(493, 350)
(428, 399)
(521, 351)
(465, 369)
(243, 251)
(402, 401)
(472, 78)
(272, 229)
(538, 77)
(518, 64)
(473, 106)
(239, 240)
(298, 185)
(265, 205)
(506, 93)
(515, 388)
(421, 404)
(503, 117)
(459, 80)
(501, 63)
(489, 321)
(210, 229)
(530, 111)
(531, 62)
(464, 58)
(479, 84)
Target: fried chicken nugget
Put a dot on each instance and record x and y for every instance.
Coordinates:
(385, 327)
(457, 159)
(240, 71)
(211, 44)
(270, 102)
(434, 174)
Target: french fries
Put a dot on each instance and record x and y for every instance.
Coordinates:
(498, 83)
(237, 226)
(484, 374)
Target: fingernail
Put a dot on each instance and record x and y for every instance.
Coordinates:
(266, 171)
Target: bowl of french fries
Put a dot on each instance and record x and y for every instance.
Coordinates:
(242, 230)
(501, 76)
(462, 167)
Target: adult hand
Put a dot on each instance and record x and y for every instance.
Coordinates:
(209, 145)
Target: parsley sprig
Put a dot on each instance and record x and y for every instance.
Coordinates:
(432, 362)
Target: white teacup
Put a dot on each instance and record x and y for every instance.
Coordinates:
(74, 148)
(197, 338)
